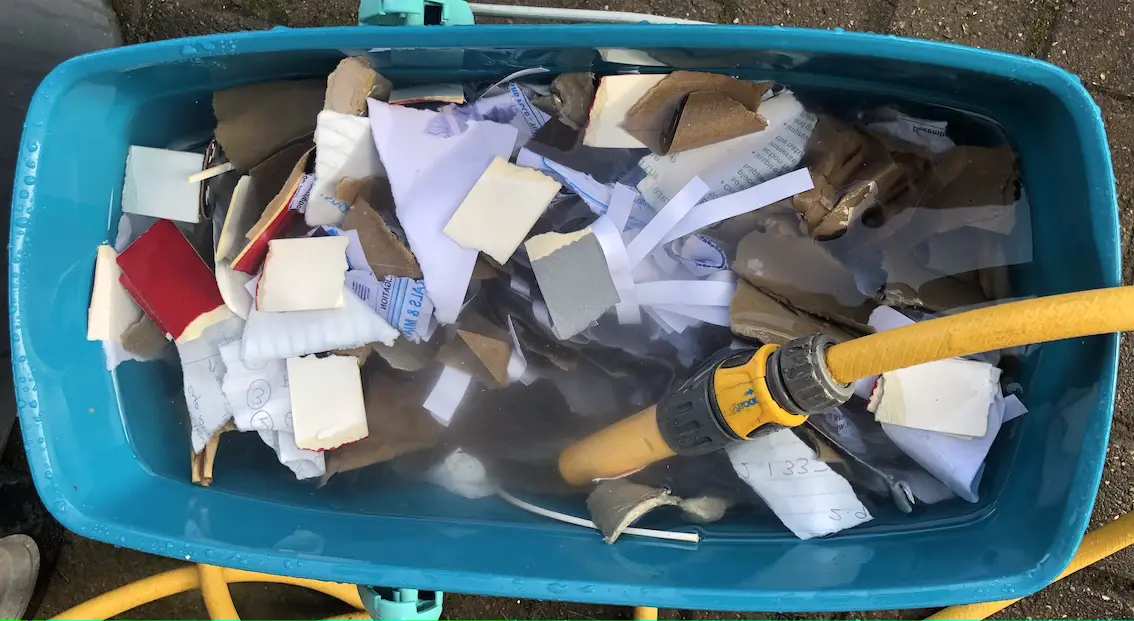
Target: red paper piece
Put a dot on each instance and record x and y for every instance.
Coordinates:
(170, 281)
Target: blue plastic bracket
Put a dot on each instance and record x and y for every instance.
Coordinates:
(410, 604)
(414, 13)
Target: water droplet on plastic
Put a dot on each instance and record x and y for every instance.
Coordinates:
(289, 564)
(588, 589)
(189, 50)
(61, 506)
(30, 163)
(23, 359)
(29, 180)
(32, 148)
(24, 194)
(34, 404)
(557, 587)
(47, 474)
(208, 46)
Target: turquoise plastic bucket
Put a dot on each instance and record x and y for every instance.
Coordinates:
(110, 452)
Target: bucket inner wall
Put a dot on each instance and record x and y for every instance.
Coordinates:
(111, 451)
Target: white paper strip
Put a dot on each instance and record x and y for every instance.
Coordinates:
(756, 197)
(716, 315)
(447, 394)
(621, 202)
(686, 292)
(612, 246)
(659, 228)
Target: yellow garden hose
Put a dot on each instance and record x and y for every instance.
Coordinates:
(1050, 318)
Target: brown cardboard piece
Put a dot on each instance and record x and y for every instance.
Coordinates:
(707, 117)
(971, 177)
(144, 339)
(480, 348)
(385, 252)
(758, 316)
(570, 100)
(654, 114)
(255, 121)
(799, 271)
(351, 83)
(398, 423)
(852, 172)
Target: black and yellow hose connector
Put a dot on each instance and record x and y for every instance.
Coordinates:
(732, 397)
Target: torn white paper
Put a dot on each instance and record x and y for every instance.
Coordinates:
(203, 371)
(304, 464)
(302, 195)
(929, 134)
(402, 302)
(462, 474)
(769, 192)
(344, 149)
(670, 216)
(447, 394)
(517, 363)
(233, 287)
(156, 184)
(733, 165)
(596, 195)
(716, 315)
(258, 394)
(355, 255)
(621, 203)
(429, 177)
(275, 336)
(809, 498)
(326, 400)
(947, 396)
(511, 107)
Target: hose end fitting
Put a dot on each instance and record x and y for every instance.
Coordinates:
(799, 379)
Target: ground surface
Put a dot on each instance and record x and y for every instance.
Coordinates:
(1094, 38)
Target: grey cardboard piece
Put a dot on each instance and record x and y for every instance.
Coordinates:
(576, 285)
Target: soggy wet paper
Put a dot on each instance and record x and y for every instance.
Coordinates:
(809, 498)
(203, 371)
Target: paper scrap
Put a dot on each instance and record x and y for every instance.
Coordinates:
(621, 275)
(255, 121)
(351, 83)
(573, 277)
(445, 93)
(501, 209)
(511, 107)
(660, 228)
(344, 149)
(690, 109)
(258, 395)
(462, 474)
(738, 164)
(447, 394)
(947, 396)
(616, 95)
(713, 211)
(809, 498)
(686, 292)
(304, 464)
(112, 310)
(518, 363)
(155, 184)
(203, 371)
(275, 336)
(429, 177)
(402, 302)
(923, 132)
(326, 399)
(596, 195)
(303, 274)
(170, 282)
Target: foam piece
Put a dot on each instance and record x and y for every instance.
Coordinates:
(326, 402)
(157, 184)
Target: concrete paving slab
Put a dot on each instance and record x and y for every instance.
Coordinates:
(1015, 26)
(1095, 39)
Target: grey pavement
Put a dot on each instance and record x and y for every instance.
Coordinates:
(1093, 38)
